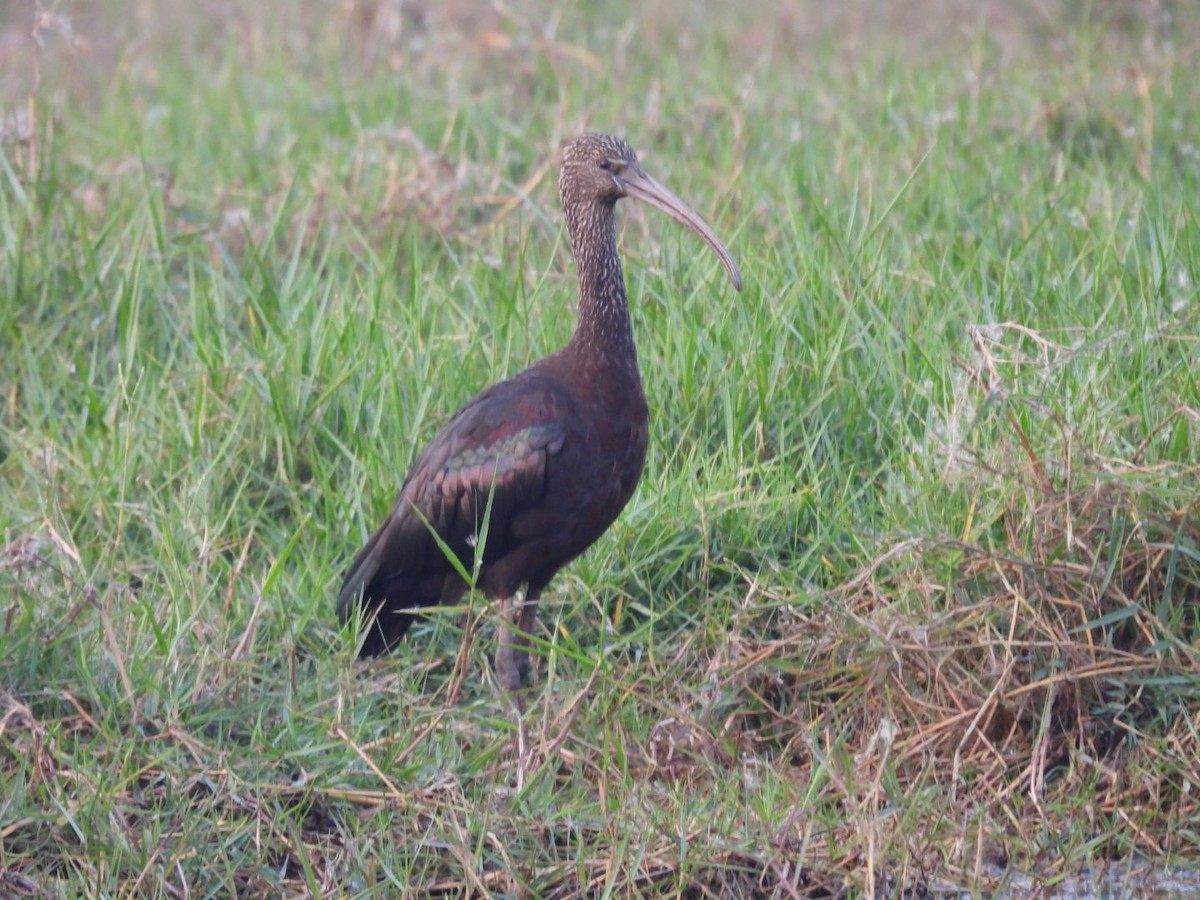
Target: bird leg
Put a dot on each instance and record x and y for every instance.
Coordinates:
(508, 673)
(526, 622)
(517, 620)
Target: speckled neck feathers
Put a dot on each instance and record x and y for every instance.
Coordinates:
(604, 327)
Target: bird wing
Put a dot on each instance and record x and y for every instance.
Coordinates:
(494, 451)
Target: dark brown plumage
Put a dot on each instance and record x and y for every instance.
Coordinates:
(558, 449)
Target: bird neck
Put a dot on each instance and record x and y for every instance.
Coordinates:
(604, 328)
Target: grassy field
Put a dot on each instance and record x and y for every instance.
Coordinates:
(908, 598)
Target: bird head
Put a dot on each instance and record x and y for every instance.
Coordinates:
(593, 166)
(599, 168)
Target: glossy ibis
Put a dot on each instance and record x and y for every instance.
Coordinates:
(555, 451)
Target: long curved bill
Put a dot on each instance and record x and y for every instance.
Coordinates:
(640, 185)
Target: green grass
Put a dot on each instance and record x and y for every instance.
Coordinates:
(907, 596)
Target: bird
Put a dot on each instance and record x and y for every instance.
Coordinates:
(530, 472)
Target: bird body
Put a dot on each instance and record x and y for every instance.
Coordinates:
(537, 467)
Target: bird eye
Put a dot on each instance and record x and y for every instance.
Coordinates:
(607, 165)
